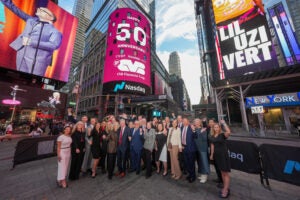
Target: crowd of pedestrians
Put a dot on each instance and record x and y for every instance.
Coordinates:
(170, 146)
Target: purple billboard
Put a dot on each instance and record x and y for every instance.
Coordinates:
(285, 34)
(127, 61)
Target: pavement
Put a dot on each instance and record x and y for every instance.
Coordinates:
(37, 180)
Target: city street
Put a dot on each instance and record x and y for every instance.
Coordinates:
(37, 180)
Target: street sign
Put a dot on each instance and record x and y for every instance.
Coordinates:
(257, 109)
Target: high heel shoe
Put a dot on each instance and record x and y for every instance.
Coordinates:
(224, 196)
(58, 184)
(165, 174)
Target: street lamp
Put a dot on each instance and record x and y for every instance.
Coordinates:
(13, 101)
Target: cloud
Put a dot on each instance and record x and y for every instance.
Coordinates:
(175, 19)
(190, 69)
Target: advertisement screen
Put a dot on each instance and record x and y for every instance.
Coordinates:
(33, 98)
(285, 34)
(37, 37)
(127, 61)
(245, 44)
(229, 9)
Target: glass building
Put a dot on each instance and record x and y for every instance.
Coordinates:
(174, 64)
(102, 10)
(94, 101)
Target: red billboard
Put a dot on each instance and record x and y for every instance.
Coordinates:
(37, 37)
(243, 41)
(127, 61)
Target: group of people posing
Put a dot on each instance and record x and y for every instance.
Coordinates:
(176, 144)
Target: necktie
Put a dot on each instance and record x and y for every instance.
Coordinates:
(184, 136)
(121, 136)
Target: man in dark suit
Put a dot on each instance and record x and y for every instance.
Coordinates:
(189, 150)
(123, 133)
(136, 145)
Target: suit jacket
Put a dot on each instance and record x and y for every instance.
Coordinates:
(125, 142)
(190, 142)
(136, 140)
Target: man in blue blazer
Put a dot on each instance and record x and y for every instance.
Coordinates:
(136, 146)
(189, 149)
(123, 143)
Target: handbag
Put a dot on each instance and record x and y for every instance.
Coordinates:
(169, 142)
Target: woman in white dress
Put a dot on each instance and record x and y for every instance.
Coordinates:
(63, 156)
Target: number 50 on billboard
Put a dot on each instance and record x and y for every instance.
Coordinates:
(127, 61)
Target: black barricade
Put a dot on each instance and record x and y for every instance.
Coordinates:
(281, 163)
(34, 149)
(244, 156)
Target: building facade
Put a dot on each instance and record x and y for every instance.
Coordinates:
(240, 96)
(174, 64)
(92, 100)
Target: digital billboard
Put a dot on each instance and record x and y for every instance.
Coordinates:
(285, 34)
(244, 43)
(37, 37)
(127, 61)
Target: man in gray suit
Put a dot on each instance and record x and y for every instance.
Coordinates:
(35, 45)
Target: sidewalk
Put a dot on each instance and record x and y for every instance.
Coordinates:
(37, 180)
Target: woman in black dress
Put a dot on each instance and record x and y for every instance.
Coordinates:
(219, 153)
(95, 147)
(77, 150)
(161, 149)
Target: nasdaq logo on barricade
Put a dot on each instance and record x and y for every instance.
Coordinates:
(237, 156)
(290, 166)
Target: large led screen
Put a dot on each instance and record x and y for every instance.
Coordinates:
(229, 9)
(127, 61)
(285, 34)
(245, 41)
(37, 37)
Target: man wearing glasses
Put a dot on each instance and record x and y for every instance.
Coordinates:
(35, 45)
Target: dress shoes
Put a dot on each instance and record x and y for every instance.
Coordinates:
(191, 180)
(148, 176)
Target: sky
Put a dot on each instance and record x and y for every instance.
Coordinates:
(175, 31)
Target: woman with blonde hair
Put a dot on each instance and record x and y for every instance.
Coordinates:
(219, 153)
(174, 147)
(63, 156)
(77, 150)
(112, 139)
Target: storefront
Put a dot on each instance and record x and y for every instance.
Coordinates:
(277, 112)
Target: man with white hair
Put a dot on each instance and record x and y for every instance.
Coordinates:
(35, 45)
